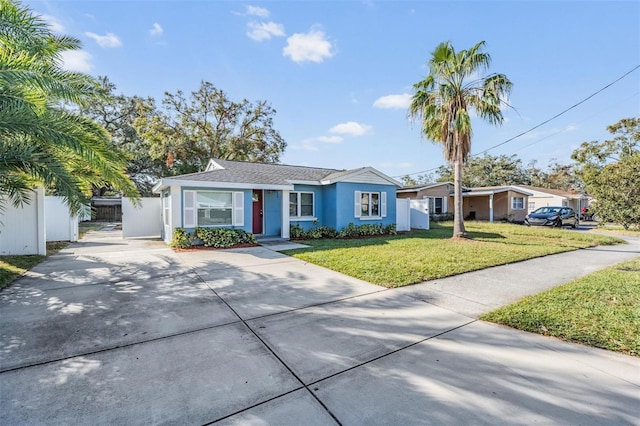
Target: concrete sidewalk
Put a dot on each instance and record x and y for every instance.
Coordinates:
(113, 331)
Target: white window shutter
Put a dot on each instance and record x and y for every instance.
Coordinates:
(383, 204)
(238, 209)
(358, 204)
(189, 210)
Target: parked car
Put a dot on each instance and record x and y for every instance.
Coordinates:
(552, 216)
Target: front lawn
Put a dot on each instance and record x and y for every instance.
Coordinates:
(425, 255)
(601, 309)
(11, 267)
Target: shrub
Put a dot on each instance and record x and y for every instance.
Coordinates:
(212, 237)
(390, 229)
(181, 238)
(296, 232)
(224, 237)
(327, 232)
(350, 230)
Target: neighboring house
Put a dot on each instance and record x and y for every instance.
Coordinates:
(495, 202)
(438, 194)
(541, 197)
(266, 199)
(483, 203)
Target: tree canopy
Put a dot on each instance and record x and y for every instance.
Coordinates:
(188, 131)
(42, 142)
(443, 102)
(611, 172)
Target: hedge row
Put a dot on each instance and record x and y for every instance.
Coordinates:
(296, 232)
(211, 237)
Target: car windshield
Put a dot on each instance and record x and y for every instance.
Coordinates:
(545, 210)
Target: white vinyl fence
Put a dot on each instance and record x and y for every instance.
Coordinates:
(412, 214)
(22, 230)
(420, 214)
(403, 214)
(144, 220)
(59, 224)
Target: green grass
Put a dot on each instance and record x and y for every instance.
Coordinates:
(84, 227)
(11, 267)
(425, 255)
(601, 309)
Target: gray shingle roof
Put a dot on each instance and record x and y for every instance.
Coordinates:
(259, 173)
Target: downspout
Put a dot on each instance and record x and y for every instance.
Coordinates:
(491, 208)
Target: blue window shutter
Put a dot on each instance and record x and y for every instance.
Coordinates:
(189, 211)
(357, 212)
(238, 208)
(383, 204)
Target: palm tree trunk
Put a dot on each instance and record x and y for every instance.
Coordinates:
(458, 222)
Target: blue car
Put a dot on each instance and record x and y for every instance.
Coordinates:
(552, 216)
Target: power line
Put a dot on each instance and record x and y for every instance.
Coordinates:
(561, 113)
(538, 125)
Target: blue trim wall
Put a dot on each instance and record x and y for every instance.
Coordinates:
(272, 212)
(248, 203)
(334, 206)
(319, 198)
(345, 203)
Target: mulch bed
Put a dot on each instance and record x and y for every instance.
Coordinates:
(198, 248)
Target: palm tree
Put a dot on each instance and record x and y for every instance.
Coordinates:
(43, 141)
(443, 100)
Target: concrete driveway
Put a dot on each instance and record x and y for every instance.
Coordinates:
(110, 331)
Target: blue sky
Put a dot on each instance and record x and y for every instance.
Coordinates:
(339, 73)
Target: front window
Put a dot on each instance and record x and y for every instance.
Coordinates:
(214, 208)
(165, 209)
(301, 204)
(370, 204)
(517, 203)
(436, 205)
(532, 206)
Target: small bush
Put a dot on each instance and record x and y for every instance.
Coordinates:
(224, 237)
(181, 238)
(212, 237)
(297, 232)
(390, 229)
(441, 217)
(350, 230)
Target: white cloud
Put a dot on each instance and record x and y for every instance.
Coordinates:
(330, 139)
(351, 128)
(156, 30)
(76, 60)
(54, 24)
(393, 101)
(107, 40)
(257, 11)
(392, 165)
(312, 46)
(261, 31)
(311, 144)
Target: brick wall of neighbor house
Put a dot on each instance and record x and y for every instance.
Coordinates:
(517, 215)
(443, 191)
(478, 205)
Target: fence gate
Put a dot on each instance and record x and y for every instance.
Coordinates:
(420, 214)
(403, 214)
(142, 221)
